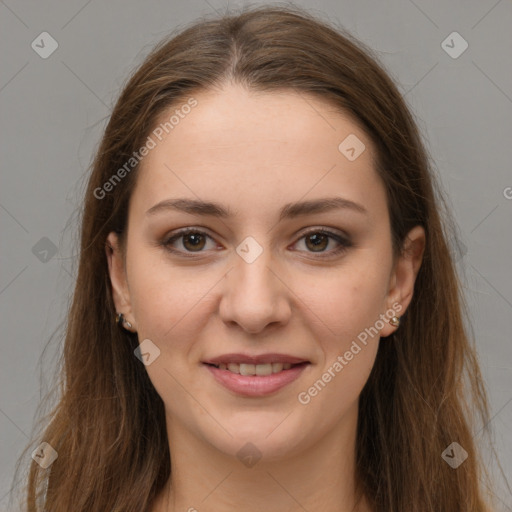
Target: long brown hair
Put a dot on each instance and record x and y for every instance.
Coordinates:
(425, 390)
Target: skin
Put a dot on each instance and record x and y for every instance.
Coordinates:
(254, 153)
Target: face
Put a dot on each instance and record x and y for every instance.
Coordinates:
(297, 270)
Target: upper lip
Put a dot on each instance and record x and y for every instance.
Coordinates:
(260, 359)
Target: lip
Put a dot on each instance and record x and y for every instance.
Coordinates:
(257, 385)
(253, 359)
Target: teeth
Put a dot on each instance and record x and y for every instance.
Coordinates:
(248, 369)
(263, 369)
(255, 369)
(277, 367)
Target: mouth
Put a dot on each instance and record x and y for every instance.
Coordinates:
(255, 376)
(256, 369)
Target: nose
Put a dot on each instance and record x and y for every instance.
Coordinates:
(255, 295)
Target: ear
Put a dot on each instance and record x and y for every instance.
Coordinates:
(403, 276)
(117, 272)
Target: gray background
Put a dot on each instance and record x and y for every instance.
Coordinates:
(54, 111)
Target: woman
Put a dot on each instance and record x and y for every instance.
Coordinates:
(266, 314)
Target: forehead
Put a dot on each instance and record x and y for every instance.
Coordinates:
(236, 120)
(248, 149)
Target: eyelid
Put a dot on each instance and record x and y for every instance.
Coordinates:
(339, 236)
(176, 235)
(328, 231)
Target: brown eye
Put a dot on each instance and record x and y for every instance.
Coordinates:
(193, 241)
(319, 242)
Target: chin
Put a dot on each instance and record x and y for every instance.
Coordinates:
(262, 436)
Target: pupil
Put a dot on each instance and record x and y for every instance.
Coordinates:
(317, 239)
(190, 237)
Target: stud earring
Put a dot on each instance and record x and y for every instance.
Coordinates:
(121, 321)
(395, 321)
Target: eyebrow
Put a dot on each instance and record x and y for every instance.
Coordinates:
(290, 210)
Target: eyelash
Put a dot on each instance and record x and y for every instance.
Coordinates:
(344, 243)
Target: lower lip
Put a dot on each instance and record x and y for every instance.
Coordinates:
(256, 385)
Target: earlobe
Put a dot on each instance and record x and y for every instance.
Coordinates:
(117, 273)
(404, 276)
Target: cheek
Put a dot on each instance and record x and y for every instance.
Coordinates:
(344, 313)
(163, 297)
(345, 303)
(174, 308)
(348, 339)
(337, 304)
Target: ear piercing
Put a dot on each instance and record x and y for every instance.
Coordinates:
(120, 320)
(395, 321)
